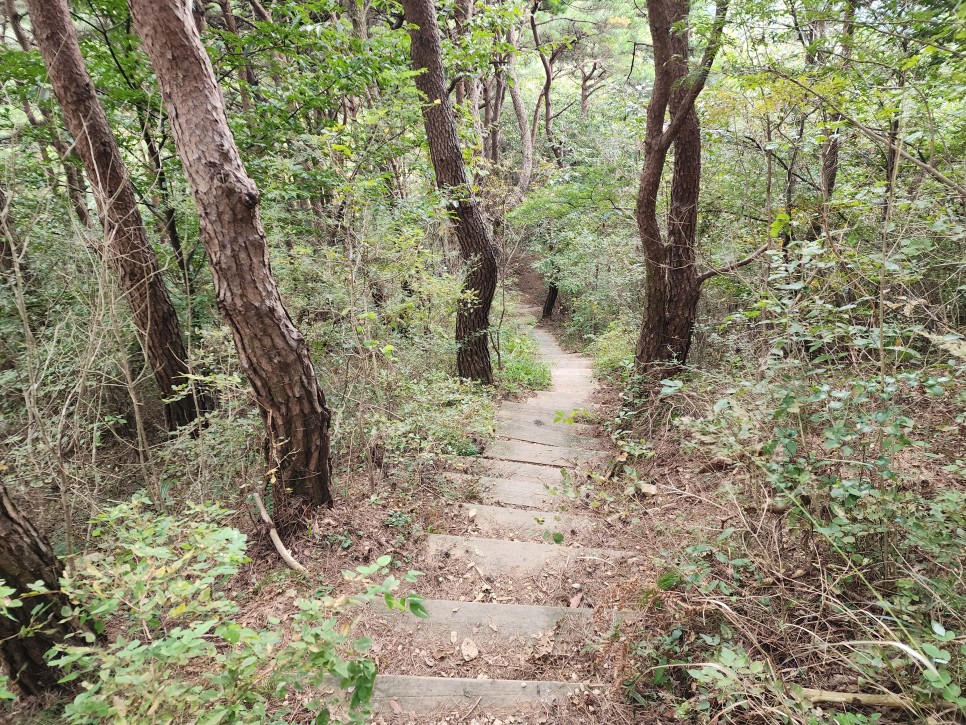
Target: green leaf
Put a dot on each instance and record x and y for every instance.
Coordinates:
(416, 606)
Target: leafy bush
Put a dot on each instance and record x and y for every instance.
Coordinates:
(520, 367)
(159, 585)
(613, 351)
(438, 415)
(885, 606)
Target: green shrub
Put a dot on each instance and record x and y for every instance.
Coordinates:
(520, 367)
(833, 459)
(438, 415)
(159, 585)
(613, 351)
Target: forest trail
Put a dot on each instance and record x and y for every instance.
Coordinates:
(521, 592)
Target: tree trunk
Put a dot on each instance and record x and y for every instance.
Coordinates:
(472, 318)
(545, 93)
(246, 76)
(271, 351)
(74, 179)
(26, 557)
(526, 142)
(469, 85)
(550, 301)
(672, 285)
(683, 290)
(497, 97)
(127, 247)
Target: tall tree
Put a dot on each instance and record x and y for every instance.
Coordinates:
(74, 179)
(29, 631)
(547, 61)
(272, 352)
(526, 140)
(673, 285)
(473, 316)
(127, 248)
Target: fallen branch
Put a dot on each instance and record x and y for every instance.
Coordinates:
(276, 539)
(853, 698)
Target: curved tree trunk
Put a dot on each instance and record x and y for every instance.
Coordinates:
(673, 285)
(127, 247)
(545, 94)
(26, 557)
(472, 318)
(271, 351)
(683, 289)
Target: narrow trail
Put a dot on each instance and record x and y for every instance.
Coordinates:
(506, 641)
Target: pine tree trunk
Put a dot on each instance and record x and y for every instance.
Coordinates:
(26, 557)
(473, 317)
(271, 351)
(672, 288)
(127, 248)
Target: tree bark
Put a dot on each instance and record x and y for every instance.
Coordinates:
(550, 300)
(74, 179)
(271, 350)
(26, 557)
(476, 247)
(672, 287)
(495, 109)
(127, 247)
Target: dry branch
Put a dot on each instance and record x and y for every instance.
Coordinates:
(854, 698)
(276, 540)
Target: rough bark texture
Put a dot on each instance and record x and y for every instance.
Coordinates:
(672, 285)
(26, 557)
(127, 248)
(271, 351)
(472, 319)
(496, 88)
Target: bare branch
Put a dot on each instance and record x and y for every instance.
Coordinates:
(282, 550)
(702, 278)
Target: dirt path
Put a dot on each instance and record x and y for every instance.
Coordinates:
(522, 593)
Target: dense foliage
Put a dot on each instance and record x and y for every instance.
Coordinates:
(825, 367)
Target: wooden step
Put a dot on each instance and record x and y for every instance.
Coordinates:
(536, 430)
(470, 618)
(510, 492)
(525, 472)
(530, 525)
(495, 557)
(539, 453)
(424, 695)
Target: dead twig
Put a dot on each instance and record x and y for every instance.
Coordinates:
(283, 552)
(854, 698)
